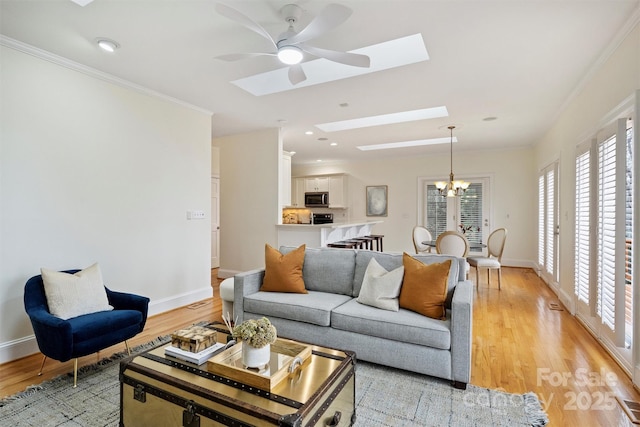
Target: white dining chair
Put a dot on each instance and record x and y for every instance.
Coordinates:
(421, 234)
(493, 260)
(454, 243)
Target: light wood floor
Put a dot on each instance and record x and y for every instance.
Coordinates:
(519, 345)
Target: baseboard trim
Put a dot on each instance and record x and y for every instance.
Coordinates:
(26, 346)
(17, 349)
(225, 274)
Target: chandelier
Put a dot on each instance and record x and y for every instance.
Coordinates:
(453, 188)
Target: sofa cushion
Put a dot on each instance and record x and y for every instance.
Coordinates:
(327, 269)
(283, 272)
(403, 325)
(71, 295)
(313, 307)
(381, 288)
(424, 288)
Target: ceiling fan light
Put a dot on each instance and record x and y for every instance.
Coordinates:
(290, 55)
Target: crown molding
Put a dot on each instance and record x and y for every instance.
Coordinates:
(616, 41)
(92, 72)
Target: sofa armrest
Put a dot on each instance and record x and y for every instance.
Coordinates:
(461, 331)
(126, 301)
(53, 334)
(245, 283)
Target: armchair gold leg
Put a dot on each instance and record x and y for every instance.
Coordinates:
(126, 344)
(44, 359)
(75, 372)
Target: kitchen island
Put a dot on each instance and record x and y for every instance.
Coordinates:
(319, 235)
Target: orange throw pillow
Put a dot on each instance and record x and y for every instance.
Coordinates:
(283, 273)
(424, 287)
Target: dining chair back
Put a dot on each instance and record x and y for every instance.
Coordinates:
(452, 243)
(421, 234)
(493, 260)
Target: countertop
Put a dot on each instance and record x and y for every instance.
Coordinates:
(334, 225)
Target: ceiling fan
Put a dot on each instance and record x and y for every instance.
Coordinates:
(290, 45)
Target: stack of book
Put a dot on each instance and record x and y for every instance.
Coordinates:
(198, 358)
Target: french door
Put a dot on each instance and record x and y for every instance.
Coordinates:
(548, 227)
(469, 213)
(604, 229)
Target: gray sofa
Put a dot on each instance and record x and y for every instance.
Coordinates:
(329, 315)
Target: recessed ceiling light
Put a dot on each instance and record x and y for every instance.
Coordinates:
(344, 104)
(107, 45)
(385, 119)
(319, 160)
(490, 119)
(322, 139)
(404, 144)
(309, 132)
(333, 144)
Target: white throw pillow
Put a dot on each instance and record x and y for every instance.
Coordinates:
(381, 288)
(72, 295)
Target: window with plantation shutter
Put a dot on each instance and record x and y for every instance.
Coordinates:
(582, 227)
(607, 231)
(541, 220)
(548, 223)
(604, 230)
(550, 209)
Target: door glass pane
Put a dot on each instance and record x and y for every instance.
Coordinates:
(436, 221)
(471, 213)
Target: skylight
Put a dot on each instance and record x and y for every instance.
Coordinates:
(405, 144)
(391, 54)
(385, 119)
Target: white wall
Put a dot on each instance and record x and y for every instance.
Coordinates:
(249, 210)
(616, 79)
(95, 172)
(514, 200)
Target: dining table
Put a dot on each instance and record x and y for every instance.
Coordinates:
(473, 246)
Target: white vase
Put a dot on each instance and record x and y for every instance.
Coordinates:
(253, 357)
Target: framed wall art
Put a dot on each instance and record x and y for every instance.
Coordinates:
(377, 200)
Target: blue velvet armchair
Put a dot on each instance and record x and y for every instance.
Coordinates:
(79, 336)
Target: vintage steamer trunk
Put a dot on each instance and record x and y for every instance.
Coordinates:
(159, 391)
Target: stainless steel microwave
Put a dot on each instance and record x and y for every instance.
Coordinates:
(316, 200)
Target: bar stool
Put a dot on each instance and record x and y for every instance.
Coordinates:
(367, 242)
(342, 245)
(378, 239)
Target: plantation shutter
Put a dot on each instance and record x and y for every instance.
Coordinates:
(550, 226)
(611, 233)
(541, 220)
(583, 225)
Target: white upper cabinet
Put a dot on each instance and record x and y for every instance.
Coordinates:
(285, 180)
(297, 192)
(338, 191)
(315, 184)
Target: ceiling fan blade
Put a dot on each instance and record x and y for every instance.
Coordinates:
(354, 59)
(240, 56)
(296, 74)
(328, 19)
(242, 19)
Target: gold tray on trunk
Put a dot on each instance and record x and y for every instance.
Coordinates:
(228, 364)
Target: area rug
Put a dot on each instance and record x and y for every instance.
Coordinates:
(385, 397)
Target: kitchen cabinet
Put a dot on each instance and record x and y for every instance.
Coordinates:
(315, 184)
(297, 192)
(338, 191)
(285, 180)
